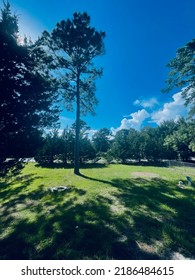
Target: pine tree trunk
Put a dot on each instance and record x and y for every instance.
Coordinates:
(77, 132)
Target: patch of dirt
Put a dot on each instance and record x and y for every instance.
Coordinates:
(144, 175)
(152, 250)
(179, 256)
(146, 248)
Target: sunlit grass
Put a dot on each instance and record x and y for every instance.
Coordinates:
(109, 212)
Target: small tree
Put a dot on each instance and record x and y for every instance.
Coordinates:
(74, 45)
(53, 146)
(165, 129)
(68, 139)
(135, 141)
(121, 147)
(152, 149)
(87, 152)
(101, 140)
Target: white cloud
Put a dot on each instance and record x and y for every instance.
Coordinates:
(146, 103)
(137, 102)
(135, 122)
(91, 132)
(171, 111)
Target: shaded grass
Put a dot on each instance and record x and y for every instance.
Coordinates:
(106, 214)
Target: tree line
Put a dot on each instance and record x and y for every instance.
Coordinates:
(169, 141)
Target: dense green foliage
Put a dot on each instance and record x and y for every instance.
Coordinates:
(101, 140)
(183, 140)
(26, 91)
(61, 147)
(169, 141)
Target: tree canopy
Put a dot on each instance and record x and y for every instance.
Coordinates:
(101, 140)
(182, 73)
(27, 91)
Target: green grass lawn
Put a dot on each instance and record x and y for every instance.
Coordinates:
(110, 212)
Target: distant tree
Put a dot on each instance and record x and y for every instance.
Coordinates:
(87, 151)
(182, 140)
(191, 131)
(74, 45)
(151, 145)
(68, 139)
(101, 140)
(135, 140)
(182, 74)
(121, 147)
(53, 146)
(164, 130)
(27, 91)
(84, 128)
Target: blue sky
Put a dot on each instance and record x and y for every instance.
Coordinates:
(141, 37)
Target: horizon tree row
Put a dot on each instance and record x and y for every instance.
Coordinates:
(169, 141)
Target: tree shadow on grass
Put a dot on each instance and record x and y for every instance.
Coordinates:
(70, 166)
(81, 231)
(161, 212)
(10, 168)
(153, 220)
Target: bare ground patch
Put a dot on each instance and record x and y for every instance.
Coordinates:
(145, 175)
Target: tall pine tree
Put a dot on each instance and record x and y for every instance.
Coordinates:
(74, 45)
